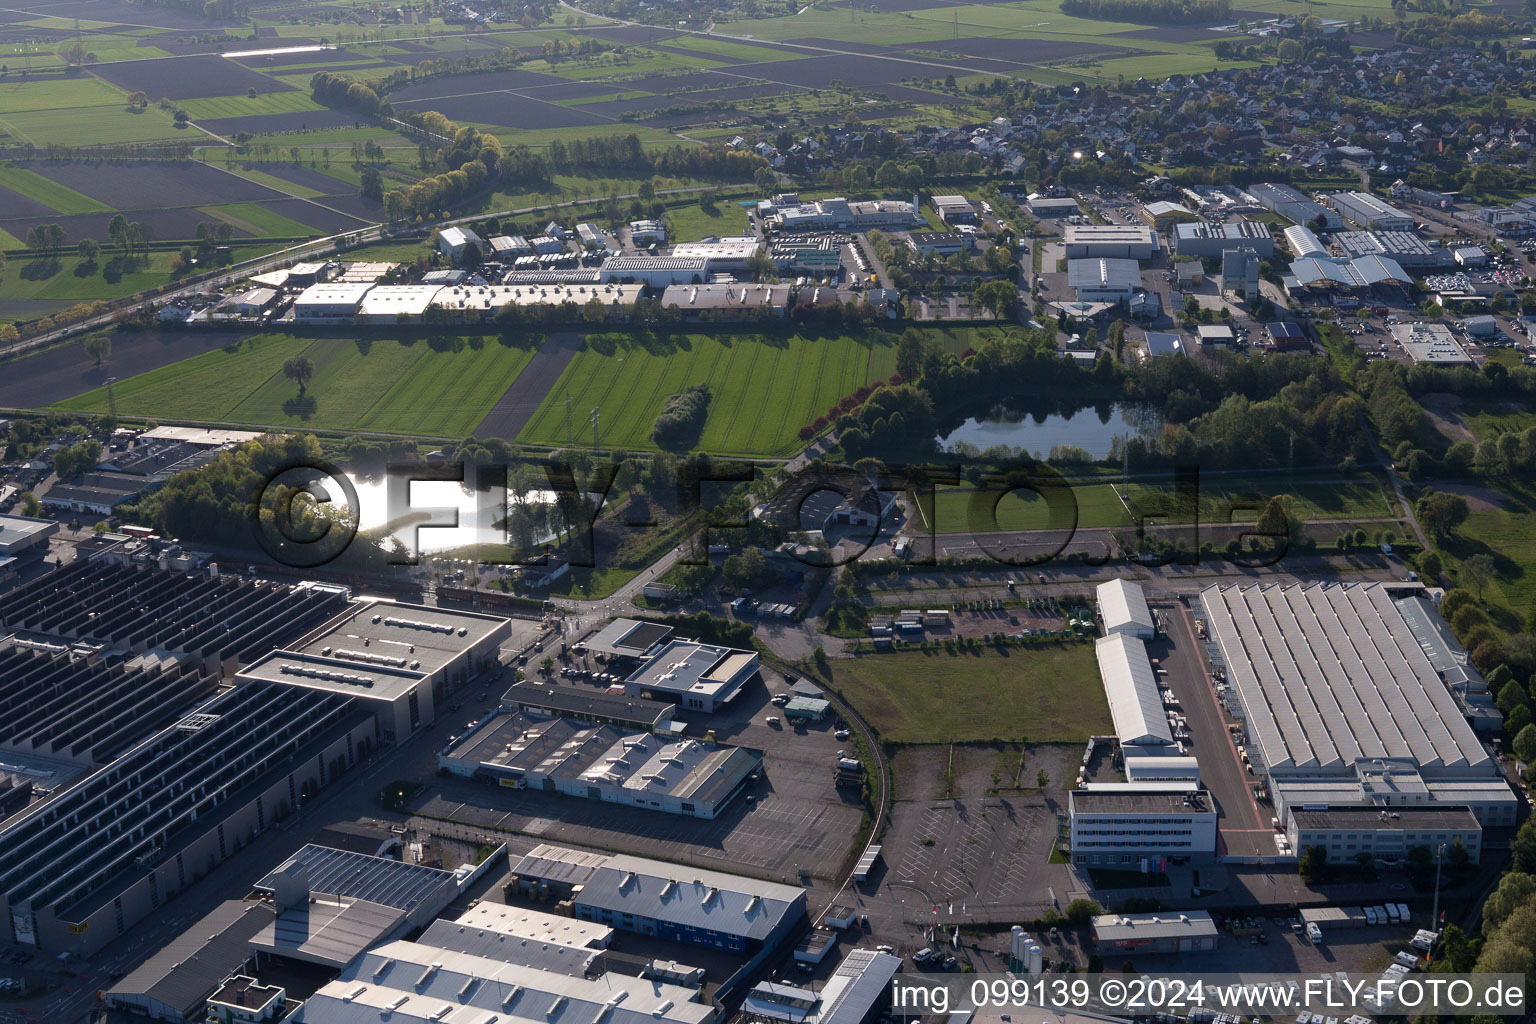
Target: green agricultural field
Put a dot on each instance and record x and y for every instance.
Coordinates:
(730, 48)
(55, 197)
(1046, 693)
(18, 95)
(691, 222)
(1502, 524)
(245, 106)
(259, 221)
(387, 385)
(108, 125)
(31, 288)
(273, 181)
(1103, 504)
(763, 387)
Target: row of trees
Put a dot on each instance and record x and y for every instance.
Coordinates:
(1158, 12)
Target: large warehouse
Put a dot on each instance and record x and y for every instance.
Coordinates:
(1291, 204)
(653, 897)
(1409, 250)
(603, 762)
(1345, 691)
(1103, 280)
(1369, 212)
(1209, 241)
(1111, 241)
(1134, 703)
(698, 677)
(1123, 609)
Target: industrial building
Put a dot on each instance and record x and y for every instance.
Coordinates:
(697, 676)
(1360, 273)
(1123, 608)
(97, 493)
(588, 704)
(22, 534)
(1240, 273)
(523, 750)
(233, 768)
(727, 300)
(1294, 206)
(332, 905)
(321, 303)
(177, 980)
(1405, 247)
(656, 271)
(454, 243)
(683, 904)
(858, 992)
(1385, 833)
(1209, 241)
(954, 209)
(1163, 215)
(1157, 344)
(1369, 212)
(1110, 241)
(1284, 335)
(1431, 343)
(399, 661)
(938, 243)
(425, 983)
(1346, 694)
(731, 255)
(1129, 683)
(1052, 207)
(1190, 931)
(1125, 823)
(647, 232)
(1103, 280)
(396, 303)
(1303, 243)
(628, 638)
(786, 213)
(486, 300)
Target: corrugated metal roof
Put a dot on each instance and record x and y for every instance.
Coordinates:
(389, 883)
(712, 900)
(1123, 605)
(189, 968)
(1134, 703)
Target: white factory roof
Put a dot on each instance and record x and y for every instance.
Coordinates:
(1107, 234)
(1303, 242)
(1159, 925)
(414, 983)
(1362, 205)
(1123, 605)
(333, 293)
(1134, 703)
(486, 297)
(1162, 769)
(1104, 273)
(1359, 272)
(691, 897)
(720, 249)
(1332, 674)
(527, 923)
(1430, 343)
(398, 300)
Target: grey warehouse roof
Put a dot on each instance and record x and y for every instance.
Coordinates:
(183, 973)
(358, 876)
(1103, 273)
(1118, 927)
(1332, 674)
(710, 900)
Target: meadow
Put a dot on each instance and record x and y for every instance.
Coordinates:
(441, 388)
(763, 388)
(1044, 693)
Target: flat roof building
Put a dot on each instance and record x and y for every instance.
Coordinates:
(1127, 822)
(1386, 833)
(1431, 343)
(688, 904)
(1293, 205)
(1209, 241)
(954, 209)
(453, 242)
(698, 676)
(1405, 247)
(396, 303)
(725, 255)
(322, 302)
(1103, 280)
(1342, 699)
(1369, 212)
(1111, 241)
(589, 704)
(603, 762)
(727, 300)
(656, 271)
(1189, 931)
(175, 983)
(628, 638)
(20, 534)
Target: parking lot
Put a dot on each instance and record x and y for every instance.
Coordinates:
(796, 818)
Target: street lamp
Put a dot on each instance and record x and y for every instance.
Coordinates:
(1434, 916)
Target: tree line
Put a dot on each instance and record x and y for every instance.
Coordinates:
(1158, 12)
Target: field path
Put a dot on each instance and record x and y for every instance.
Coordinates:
(516, 407)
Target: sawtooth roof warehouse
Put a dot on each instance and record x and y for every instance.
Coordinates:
(1347, 694)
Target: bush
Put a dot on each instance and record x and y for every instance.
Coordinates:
(682, 418)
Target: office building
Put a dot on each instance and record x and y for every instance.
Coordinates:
(1123, 824)
(1344, 833)
(696, 676)
(1190, 931)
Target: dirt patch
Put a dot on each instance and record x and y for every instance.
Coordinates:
(1479, 499)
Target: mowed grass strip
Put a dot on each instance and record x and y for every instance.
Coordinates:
(205, 387)
(259, 220)
(56, 94)
(763, 388)
(50, 194)
(448, 393)
(246, 106)
(387, 385)
(88, 126)
(1045, 693)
